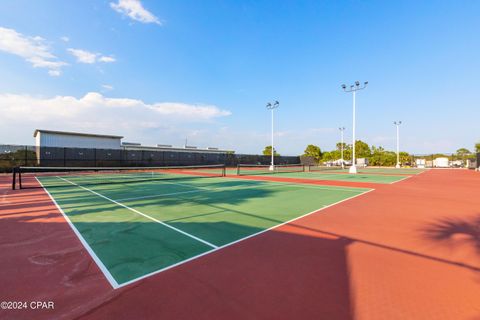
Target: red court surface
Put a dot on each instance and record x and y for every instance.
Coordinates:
(409, 250)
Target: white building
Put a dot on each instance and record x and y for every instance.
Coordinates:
(441, 162)
(362, 162)
(421, 163)
(60, 148)
(49, 138)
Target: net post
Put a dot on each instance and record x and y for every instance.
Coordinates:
(19, 178)
(238, 169)
(224, 171)
(14, 177)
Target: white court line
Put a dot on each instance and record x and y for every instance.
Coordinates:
(423, 171)
(386, 175)
(237, 241)
(95, 258)
(358, 173)
(407, 177)
(143, 214)
(269, 184)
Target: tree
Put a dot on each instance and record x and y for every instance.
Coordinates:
(405, 158)
(328, 156)
(347, 153)
(477, 147)
(463, 153)
(313, 151)
(339, 146)
(362, 150)
(268, 151)
(381, 157)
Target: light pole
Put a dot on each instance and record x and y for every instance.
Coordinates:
(398, 123)
(341, 134)
(271, 107)
(354, 89)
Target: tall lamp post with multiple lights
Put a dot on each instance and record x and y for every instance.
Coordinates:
(271, 107)
(342, 129)
(354, 88)
(398, 123)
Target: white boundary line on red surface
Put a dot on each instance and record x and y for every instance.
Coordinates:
(95, 258)
(407, 177)
(411, 176)
(428, 169)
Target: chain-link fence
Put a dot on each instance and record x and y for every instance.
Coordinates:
(14, 155)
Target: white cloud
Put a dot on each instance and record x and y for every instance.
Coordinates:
(94, 112)
(32, 49)
(84, 56)
(106, 59)
(65, 39)
(134, 10)
(188, 111)
(107, 87)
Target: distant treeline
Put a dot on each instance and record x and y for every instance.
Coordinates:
(378, 156)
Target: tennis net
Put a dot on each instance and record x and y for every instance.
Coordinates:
(253, 169)
(35, 177)
(325, 168)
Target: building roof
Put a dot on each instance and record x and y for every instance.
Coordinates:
(180, 149)
(37, 131)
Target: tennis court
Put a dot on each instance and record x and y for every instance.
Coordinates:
(147, 225)
(370, 175)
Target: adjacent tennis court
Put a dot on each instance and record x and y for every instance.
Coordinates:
(367, 175)
(139, 228)
(359, 177)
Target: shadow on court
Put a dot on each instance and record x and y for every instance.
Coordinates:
(285, 275)
(454, 231)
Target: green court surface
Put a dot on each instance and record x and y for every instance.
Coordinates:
(326, 175)
(359, 177)
(135, 229)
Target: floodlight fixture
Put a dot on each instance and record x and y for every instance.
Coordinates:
(354, 88)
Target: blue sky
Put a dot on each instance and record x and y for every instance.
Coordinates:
(160, 71)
